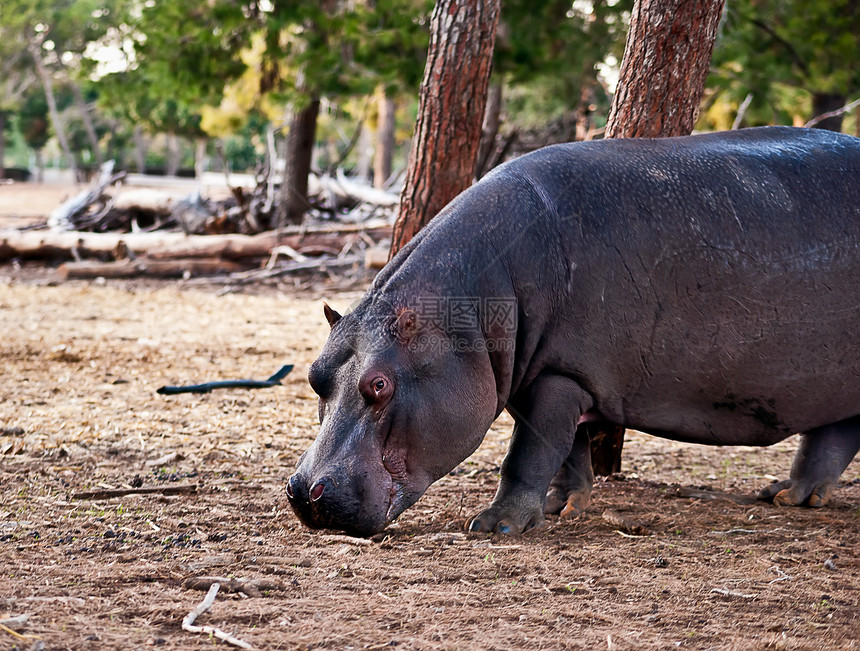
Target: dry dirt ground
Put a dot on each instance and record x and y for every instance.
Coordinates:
(78, 412)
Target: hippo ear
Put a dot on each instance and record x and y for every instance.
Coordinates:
(406, 325)
(330, 315)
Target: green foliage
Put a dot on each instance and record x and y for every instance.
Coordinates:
(33, 121)
(548, 53)
(784, 52)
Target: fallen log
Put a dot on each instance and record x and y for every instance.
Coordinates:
(41, 244)
(143, 267)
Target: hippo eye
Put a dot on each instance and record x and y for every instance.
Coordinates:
(376, 389)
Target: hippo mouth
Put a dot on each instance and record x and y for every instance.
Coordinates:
(395, 466)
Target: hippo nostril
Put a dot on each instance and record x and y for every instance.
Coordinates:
(317, 491)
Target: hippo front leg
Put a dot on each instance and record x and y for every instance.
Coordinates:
(823, 455)
(545, 427)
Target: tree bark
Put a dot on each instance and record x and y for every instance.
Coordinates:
(299, 151)
(666, 60)
(384, 141)
(450, 111)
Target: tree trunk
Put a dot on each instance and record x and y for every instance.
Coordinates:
(299, 151)
(489, 129)
(40, 166)
(666, 60)
(171, 154)
(199, 158)
(384, 141)
(86, 118)
(825, 103)
(140, 147)
(364, 151)
(2, 145)
(450, 111)
(59, 129)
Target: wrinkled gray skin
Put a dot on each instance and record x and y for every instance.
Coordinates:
(702, 289)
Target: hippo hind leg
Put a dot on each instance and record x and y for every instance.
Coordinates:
(823, 455)
(570, 491)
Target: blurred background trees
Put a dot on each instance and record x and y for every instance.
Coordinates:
(242, 85)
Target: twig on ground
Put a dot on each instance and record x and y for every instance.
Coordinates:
(249, 587)
(206, 604)
(716, 495)
(16, 634)
(206, 387)
(122, 492)
(782, 575)
(731, 531)
(16, 622)
(170, 457)
(350, 540)
(732, 593)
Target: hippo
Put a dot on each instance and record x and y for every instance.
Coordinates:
(701, 288)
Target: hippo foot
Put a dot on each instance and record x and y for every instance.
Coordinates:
(790, 492)
(507, 520)
(570, 491)
(566, 504)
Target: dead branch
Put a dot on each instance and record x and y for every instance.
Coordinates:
(274, 380)
(249, 587)
(66, 215)
(206, 604)
(245, 277)
(742, 111)
(106, 494)
(832, 114)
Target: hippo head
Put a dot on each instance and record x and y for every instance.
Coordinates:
(399, 408)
